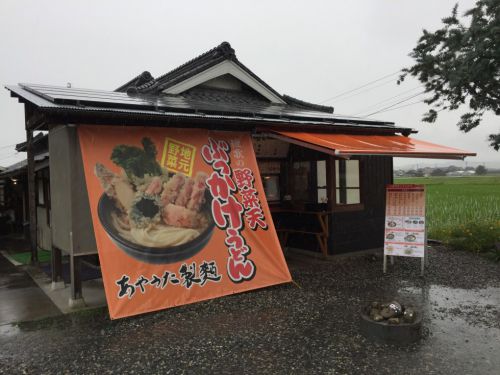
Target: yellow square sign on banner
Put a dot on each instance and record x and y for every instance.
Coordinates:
(178, 157)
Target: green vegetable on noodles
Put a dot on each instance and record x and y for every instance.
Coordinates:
(135, 161)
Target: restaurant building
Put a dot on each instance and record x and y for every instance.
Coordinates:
(324, 175)
(14, 208)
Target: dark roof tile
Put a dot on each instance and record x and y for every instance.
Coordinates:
(222, 52)
(306, 105)
(216, 55)
(140, 80)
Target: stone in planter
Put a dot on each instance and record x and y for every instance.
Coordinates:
(409, 315)
(396, 308)
(387, 313)
(378, 318)
(392, 330)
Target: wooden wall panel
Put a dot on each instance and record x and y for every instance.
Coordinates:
(364, 229)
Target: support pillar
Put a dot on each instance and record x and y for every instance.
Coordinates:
(31, 195)
(76, 298)
(56, 266)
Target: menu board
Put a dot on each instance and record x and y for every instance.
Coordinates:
(405, 221)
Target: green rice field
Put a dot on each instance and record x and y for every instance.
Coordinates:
(463, 208)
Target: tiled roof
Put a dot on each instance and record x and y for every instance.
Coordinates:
(224, 96)
(141, 79)
(17, 168)
(306, 105)
(222, 52)
(216, 55)
(40, 142)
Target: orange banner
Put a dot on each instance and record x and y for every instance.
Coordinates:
(179, 216)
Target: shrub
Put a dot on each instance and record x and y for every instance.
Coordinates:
(475, 237)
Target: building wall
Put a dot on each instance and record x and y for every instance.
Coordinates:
(44, 233)
(60, 187)
(349, 231)
(72, 229)
(355, 230)
(359, 230)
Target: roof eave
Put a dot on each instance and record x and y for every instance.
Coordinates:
(99, 115)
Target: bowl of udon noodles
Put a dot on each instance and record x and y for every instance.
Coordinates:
(160, 245)
(152, 214)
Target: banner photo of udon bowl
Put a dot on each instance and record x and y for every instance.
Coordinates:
(179, 216)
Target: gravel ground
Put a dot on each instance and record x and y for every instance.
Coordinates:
(311, 327)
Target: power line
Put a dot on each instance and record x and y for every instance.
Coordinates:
(363, 91)
(395, 104)
(360, 87)
(387, 100)
(393, 109)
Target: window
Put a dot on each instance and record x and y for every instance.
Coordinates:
(347, 182)
(309, 182)
(321, 185)
(40, 192)
(300, 181)
(270, 172)
(272, 187)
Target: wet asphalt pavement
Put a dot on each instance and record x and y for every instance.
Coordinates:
(311, 328)
(20, 298)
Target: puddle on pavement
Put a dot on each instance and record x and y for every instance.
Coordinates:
(461, 322)
(439, 299)
(9, 330)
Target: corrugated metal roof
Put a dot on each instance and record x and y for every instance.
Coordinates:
(74, 99)
(20, 165)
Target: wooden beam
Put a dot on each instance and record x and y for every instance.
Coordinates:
(56, 264)
(75, 275)
(34, 119)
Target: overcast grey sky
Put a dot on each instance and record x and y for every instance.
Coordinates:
(312, 50)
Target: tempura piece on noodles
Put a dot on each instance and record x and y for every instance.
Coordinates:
(116, 187)
(171, 188)
(198, 194)
(185, 193)
(179, 216)
(154, 187)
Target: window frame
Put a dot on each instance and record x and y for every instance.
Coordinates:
(264, 172)
(317, 186)
(309, 186)
(40, 184)
(42, 180)
(346, 206)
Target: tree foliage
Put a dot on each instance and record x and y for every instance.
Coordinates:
(481, 170)
(438, 172)
(459, 65)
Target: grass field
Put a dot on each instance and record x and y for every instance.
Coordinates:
(462, 208)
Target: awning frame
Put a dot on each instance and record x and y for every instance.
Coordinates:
(305, 144)
(459, 155)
